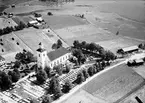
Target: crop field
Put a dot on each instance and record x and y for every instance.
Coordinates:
(114, 84)
(83, 97)
(32, 37)
(139, 93)
(62, 21)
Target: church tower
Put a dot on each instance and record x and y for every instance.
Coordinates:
(41, 56)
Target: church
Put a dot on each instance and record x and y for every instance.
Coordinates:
(52, 58)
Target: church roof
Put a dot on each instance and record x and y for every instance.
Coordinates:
(57, 53)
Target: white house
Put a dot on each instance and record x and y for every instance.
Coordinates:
(53, 58)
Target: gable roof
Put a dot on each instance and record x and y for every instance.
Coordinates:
(57, 53)
(130, 48)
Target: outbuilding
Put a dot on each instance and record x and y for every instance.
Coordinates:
(128, 49)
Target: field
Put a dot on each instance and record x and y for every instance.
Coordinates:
(140, 94)
(62, 21)
(32, 37)
(83, 97)
(25, 9)
(114, 84)
(118, 43)
(6, 22)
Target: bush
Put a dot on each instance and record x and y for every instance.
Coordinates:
(49, 13)
(67, 87)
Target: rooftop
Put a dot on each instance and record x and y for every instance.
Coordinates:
(130, 48)
(57, 53)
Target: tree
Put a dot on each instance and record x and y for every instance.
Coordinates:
(46, 99)
(109, 56)
(54, 86)
(80, 78)
(67, 69)
(47, 70)
(85, 74)
(49, 13)
(15, 75)
(58, 69)
(5, 81)
(25, 57)
(17, 64)
(76, 44)
(54, 46)
(78, 54)
(59, 43)
(90, 71)
(67, 87)
(41, 76)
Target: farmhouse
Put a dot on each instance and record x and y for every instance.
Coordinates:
(128, 49)
(53, 58)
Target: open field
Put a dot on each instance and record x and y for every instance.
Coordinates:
(62, 21)
(118, 43)
(25, 9)
(114, 84)
(11, 47)
(139, 93)
(32, 37)
(140, 70)
(83, 97)
(6, 22)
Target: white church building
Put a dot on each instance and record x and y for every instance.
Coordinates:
(53, 58)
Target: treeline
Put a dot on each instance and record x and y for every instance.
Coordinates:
(11, 29)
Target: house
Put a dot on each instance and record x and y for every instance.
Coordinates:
(135, 62)
(39, 19)
(33, 22)
(53, 58)
(128, 49)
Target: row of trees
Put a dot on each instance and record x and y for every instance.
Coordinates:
(43, 75)
(93, 49)
(10, 29)
(6, 79)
